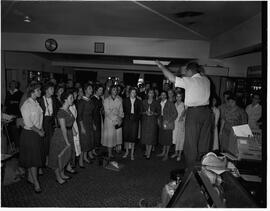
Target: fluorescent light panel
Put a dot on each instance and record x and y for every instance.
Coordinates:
(149, 62)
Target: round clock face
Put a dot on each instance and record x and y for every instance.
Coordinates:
(51, 44)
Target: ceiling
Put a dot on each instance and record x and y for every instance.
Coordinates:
(151, 19)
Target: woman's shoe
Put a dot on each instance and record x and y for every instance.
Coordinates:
(132, 157)
(178, 158)
(71, 171)
(86, 160)
(82, 167)
(37, 190)
(30, 182)
(61, 183)
(160, 155)
(65, 177)
(125, 155)
(174, 155)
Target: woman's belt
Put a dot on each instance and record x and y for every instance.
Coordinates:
(68, 128)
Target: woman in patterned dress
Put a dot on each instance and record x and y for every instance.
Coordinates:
(179, 129)
(62, 139)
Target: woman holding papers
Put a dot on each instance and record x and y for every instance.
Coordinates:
(232, 117)
(60, 148)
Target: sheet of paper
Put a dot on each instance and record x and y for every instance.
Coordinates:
(251, 178)
(242, 130)
(231, 157)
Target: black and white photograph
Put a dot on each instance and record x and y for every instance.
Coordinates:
(134, 104)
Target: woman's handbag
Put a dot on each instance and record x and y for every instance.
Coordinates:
(168, 125)
(165, 124)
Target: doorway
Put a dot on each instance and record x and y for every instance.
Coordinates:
(85, 76)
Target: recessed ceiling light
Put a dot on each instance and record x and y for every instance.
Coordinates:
(27, 19)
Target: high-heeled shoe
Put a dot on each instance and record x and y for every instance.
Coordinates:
(37, 190)
(30, 182)
(86, 160)
(125, 155)
(66, 177)
(82, 167)
(178, 158)
(160, 155)
(61, 183)
(72, 171)
(174, 155)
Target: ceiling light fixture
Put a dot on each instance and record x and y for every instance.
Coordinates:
(149, 62)
(27, 19)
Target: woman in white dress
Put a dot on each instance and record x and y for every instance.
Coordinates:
(76, 139)
(112, 132)
(179, 129)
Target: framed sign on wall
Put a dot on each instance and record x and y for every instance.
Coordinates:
(99, 47)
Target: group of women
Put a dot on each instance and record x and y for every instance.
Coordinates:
(75, 122)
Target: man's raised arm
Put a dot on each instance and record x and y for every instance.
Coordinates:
(170, 76)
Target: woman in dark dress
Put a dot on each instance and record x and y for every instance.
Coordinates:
(31, 155)
(166, 124)
(48, 105)
(58, 102)
(97, 116)
(150, 112)
(132, 112)
(62, 137)
(85, 120)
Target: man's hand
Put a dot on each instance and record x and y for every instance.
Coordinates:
(159, 64)
(41, 133)
(166, 72)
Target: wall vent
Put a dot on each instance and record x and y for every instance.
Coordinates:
(99, 47)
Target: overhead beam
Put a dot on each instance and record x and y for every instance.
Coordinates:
(170, 20)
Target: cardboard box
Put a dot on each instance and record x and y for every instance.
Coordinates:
(244, 148)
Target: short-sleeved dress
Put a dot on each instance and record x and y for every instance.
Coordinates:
(179, 128)
(85, 114)
(58, 142)
(234, 116)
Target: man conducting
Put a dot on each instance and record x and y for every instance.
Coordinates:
(198, 123)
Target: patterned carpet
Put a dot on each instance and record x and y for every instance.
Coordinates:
(96, 186)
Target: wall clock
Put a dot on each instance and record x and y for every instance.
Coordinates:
(51, 45)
